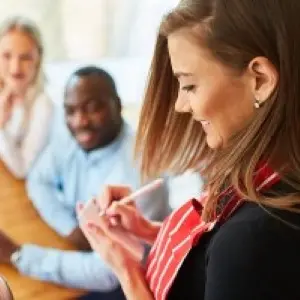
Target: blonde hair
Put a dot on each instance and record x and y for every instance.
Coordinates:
(235, 32)
(29, 28)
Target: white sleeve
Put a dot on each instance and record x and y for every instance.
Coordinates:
(19, 158)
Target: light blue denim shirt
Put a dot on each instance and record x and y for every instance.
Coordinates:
(65, 175)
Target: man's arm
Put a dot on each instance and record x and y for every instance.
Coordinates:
(44, 188)
(84, 270)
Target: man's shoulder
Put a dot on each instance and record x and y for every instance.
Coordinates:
(128, 139)
(129, 132)
(61, 142)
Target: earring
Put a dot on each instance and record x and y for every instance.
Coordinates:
(257, 104)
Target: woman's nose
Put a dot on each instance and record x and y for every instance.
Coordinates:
(15, 66)
(182, 105)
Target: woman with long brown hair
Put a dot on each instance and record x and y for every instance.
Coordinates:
(25, 108)
(231, 69)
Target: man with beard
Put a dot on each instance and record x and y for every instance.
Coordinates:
(73, 169)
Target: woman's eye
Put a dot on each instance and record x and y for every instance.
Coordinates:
(6, 55)
(188, 88)
(26, 57)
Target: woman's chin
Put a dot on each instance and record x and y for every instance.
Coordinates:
(18, 87)
(213, 142)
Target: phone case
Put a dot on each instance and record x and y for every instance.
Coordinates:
(90, 213)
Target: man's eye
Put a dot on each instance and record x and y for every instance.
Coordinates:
(69, 111)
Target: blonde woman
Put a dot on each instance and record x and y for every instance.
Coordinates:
(25, 109)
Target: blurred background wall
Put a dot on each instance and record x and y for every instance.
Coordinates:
(92, 29)
(117, 35)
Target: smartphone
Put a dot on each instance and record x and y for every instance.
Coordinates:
(91, 214)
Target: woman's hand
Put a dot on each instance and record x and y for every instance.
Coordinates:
(116, 246)
(126, 214)
(6, 103)
(125, 265)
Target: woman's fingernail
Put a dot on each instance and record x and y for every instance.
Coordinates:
(102, 213)
(90, 225)
(109, 212)
(113, 221)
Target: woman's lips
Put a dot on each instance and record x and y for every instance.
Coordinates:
(18, 76)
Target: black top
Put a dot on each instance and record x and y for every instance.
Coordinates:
(253, 256)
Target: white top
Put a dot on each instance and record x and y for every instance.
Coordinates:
(25, 134)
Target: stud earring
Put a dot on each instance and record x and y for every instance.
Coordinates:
(257, 104)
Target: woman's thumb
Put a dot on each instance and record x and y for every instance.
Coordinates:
(123, 211)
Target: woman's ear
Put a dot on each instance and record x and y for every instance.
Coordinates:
(264, 77)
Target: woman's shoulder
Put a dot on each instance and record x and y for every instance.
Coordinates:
(247, 256)
(261, 217)
(43, 103)
(43, 98)
(254, 227)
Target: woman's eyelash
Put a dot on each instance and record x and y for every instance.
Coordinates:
(188, 88)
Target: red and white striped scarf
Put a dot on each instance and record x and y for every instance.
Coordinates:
(184, 228)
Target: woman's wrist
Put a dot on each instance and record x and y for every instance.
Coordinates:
(130, 273)
(134, 283)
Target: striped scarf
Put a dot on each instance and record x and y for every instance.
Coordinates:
(183, 229)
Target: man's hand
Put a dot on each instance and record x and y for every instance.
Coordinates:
(77, 238)
(7, 248)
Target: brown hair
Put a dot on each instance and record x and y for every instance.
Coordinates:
(31, 30)
(235, 31)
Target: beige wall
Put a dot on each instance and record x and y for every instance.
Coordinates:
(75, 29)
(91, 29)
(85, 28)
(46, 14)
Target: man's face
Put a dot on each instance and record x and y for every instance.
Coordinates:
(92, 114)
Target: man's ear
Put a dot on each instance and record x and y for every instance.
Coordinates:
(119, 105)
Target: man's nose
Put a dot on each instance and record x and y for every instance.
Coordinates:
(80, 119)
